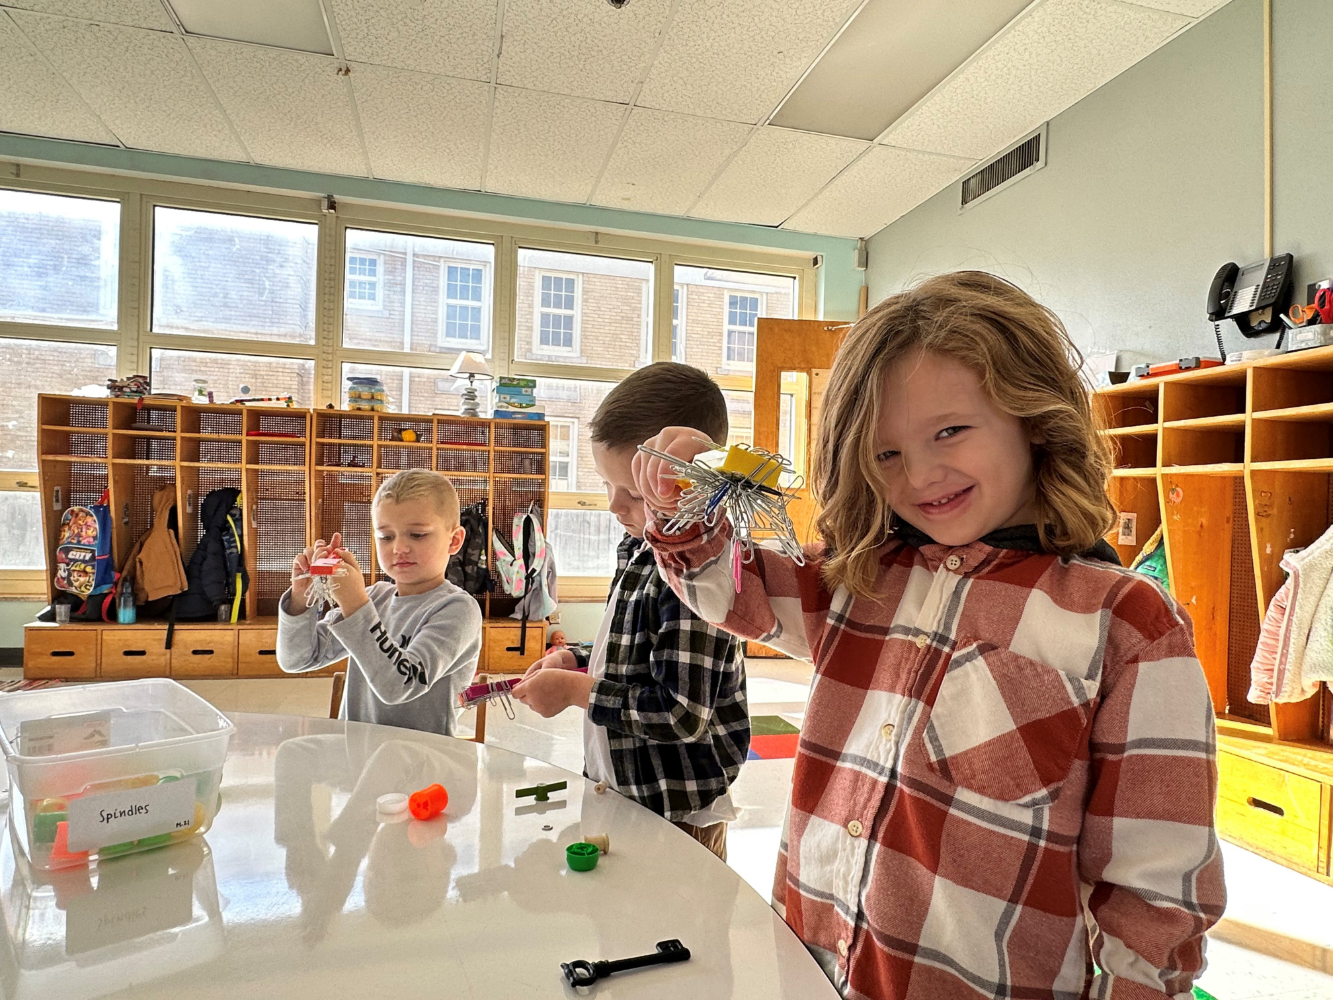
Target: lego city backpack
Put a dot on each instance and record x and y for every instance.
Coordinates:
(216, 571)
(83, 552)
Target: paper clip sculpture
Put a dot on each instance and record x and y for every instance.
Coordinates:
(748, 489)
(322, 581)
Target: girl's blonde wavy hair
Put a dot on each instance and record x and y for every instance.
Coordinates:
(1028, 366)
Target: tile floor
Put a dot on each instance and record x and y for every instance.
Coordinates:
(1276, 942)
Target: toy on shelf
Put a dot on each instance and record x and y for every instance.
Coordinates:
(323, 582)
(365, 392)
(748, 489)
(130, 387)
(283, 399)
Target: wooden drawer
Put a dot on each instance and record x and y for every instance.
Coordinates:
(257, 652)
(1269, 810)
(59, 652)
(203, 653)
(495, 655)
(135, 652)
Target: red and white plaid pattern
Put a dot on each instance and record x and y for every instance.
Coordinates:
(1006, 771)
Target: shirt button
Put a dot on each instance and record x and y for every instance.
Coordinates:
(953, 562)
(886, 730)
(855, 828)
(842, 947)
(921, 641)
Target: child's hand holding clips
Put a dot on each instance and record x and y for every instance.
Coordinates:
(655, 480)
(301, 568)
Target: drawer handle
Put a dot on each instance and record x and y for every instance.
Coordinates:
(134, 652)
(1266, 806)
(268, 652)
(62, 652)
(201, 652)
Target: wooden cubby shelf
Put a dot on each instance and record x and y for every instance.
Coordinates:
(296, 486)
(1242, 471)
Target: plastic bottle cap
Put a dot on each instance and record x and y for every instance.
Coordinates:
(394, 802)
(581, 857)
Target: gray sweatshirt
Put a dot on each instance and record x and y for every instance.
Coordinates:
(410, 656)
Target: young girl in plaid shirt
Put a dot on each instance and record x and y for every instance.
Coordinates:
(1005, 780)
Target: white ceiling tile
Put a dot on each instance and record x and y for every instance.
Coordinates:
(776, 173)
(142, 84)
(138, 13)
(883, 185)
(588, 49)
(291, 109)
(1190, 8)
(737, 60)
(548, 146)
(421, 128)
(446, 37)
(663, 162)
(1045, 62)
(36, 100)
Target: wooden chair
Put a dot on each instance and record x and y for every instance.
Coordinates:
(336, 702)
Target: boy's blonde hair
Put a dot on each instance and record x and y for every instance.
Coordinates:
(421, 484)
(1027, 365)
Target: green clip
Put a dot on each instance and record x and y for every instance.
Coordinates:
(541, 792)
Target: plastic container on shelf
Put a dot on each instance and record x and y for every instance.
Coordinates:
(101, 770)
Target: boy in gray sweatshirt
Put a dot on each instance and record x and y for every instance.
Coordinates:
(412, 640)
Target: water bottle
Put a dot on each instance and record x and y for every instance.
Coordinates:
(125, 605)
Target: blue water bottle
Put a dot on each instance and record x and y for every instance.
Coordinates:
(125, 605)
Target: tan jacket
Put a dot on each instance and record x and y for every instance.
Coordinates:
(154, 565)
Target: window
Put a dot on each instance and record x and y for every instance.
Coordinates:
(572, 402)
(584, 543)
(740, 417)
(742, 313)
(363, 281)
(59, 260)
(564, 454)
(557, 313)
(233, 375)
(677, 324)
(434, 294)
(234, 276)
(463, 290)
(583, 309)
(415, 390)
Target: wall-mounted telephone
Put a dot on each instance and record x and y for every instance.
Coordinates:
(1254, 296)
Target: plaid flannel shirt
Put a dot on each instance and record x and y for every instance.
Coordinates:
(1006, 770)
(673, 696)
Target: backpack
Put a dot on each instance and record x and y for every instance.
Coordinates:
(467, 567)
(154, 566)
(215, 574)
(83, 552)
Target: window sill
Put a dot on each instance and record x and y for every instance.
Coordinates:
(556, 359)
(584, 589)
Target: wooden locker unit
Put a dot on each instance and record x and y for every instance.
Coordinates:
(1236, 464)
(303, 475)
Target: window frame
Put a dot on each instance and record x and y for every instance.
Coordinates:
(452, 343)
(571, 481)
(362, 305)
(678, 322)
(556, 353)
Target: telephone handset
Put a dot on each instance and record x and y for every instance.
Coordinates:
(1255, 296)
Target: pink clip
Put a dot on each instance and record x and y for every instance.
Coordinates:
(325, 567)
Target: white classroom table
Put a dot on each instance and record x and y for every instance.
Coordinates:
(299, 890)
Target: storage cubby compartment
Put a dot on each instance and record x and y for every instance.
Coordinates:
(520, 434)
(1136, 503)
(472, 491)
(132, 492)
(195, 482)
(276, 423)
(1213, 393)
(454, 460)
(213, 423)
(138, 448)
(69, 484)
(1207, 447)
(1292, 381)
(90, 444)
(343, 504)
(135, 415)
(410, 431)
(1131, 405)
(344, 456)
(463, 430)
(276, 531)
(216, 452)
(1291, 437)
(1137, 451)
(520, 463)
(275, 451)
(57, 411)
(345, 428)
(404, 456)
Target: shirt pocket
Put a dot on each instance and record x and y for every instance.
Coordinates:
(1005, 726)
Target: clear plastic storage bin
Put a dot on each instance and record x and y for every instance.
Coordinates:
(101, 770)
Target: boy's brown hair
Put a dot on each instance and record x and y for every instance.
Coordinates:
(1026, 364)
(662, 395)
(421, 484)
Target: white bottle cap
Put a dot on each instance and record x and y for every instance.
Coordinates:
(394, 802)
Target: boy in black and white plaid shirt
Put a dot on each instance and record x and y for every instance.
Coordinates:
(667, 724)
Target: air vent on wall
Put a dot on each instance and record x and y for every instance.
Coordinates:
(1019, 160)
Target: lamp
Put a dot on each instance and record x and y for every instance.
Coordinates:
(470, 366)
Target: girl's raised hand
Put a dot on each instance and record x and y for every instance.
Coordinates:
(655, 480)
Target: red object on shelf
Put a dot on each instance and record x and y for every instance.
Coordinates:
(428, 802)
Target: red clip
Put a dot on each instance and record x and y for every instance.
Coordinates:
(325, 567)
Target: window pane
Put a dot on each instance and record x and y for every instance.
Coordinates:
(584, 541)
(232, 375)
(59, 259)
(416, 390)
(33, 366)
(740, 417)
(718, 313)
(425, 294)
(234, 276)
(582, 309)
(572, 403)
(21, 538)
